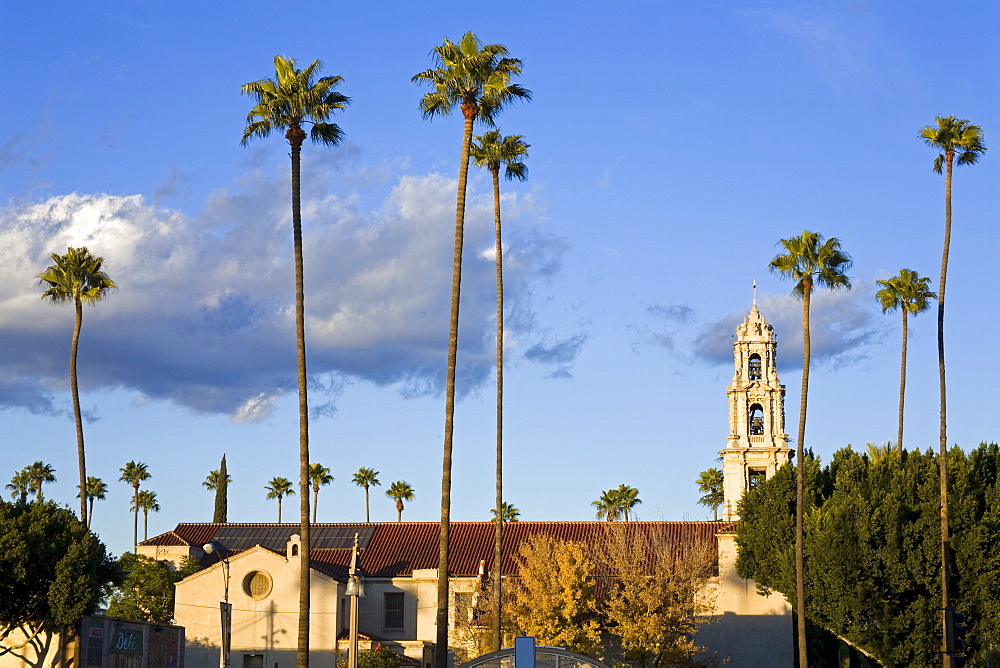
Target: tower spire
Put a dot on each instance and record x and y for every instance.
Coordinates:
(755, 292)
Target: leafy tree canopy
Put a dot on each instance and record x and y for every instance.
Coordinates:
(146, 593)
(53, 571)
(872, 536)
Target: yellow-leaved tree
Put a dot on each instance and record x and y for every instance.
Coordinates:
(553, 599)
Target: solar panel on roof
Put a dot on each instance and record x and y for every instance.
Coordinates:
(275, 538)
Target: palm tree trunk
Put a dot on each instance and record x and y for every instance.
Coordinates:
(315, 502)
(368, 517)
(399, 510)
(279, 510)
(800, 579)
(498, 531)
(145, 523)
(902, 386)
(90, 511)
(76, 410)
(946, 641)
(135, 524)
(441, 618)
(295, 136)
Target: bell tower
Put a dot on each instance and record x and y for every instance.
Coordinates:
(757, 444)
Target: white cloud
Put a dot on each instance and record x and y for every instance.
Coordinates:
(205, 308)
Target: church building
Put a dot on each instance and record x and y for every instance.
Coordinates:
(255, 566)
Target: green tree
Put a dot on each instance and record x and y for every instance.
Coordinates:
(40, 473)
(508, 513)
(218, 482)
(133, 474)
(146, 593)
(476, 78)
(366, 477)
(491, 151)
(279, 488)
(53, 571)
(710, 484)
(20, 486)
(288, 101)
(809, 260)
(554, 598)
(145, 501)
(77, 277)
(97, 489)
(628, 498)
(872, 534)
(908, 292)
(952, 138)
(607, 505)
(400, 491)
(319, 476)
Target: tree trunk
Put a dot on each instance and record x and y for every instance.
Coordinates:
(498, 530)
(441, 636)
(902, 385)
(399, 510)
(946, 640)
(800, 578)
(368, 517)
(145, 524)
(90, 511)
(135, 526)
(279, 510)
(315, 501)
(76, 410)
(295, 136)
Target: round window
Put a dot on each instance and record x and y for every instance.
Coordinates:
(257, 584)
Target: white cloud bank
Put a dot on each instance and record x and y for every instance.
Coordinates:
(204, 313)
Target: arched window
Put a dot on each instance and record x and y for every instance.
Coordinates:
(756, 421)
(754, 371)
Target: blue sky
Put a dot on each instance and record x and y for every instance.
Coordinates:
(672, 145)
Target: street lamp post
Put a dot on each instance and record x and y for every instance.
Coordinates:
(225, 609)
(355, 590)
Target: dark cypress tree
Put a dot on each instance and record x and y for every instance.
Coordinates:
(221, 491)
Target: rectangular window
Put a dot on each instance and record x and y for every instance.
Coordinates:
(345, 621)
(757, 476)
(393, 604)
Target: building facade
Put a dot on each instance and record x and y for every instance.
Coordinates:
(255, 567)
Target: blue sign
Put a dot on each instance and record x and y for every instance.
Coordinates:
(524, 652)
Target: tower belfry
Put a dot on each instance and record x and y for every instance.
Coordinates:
(757, 444)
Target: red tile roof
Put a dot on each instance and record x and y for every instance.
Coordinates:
(393, 549)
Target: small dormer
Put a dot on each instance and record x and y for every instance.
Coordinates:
(293, 546)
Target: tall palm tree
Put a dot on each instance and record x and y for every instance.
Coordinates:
(400, 491)
(146, 502)
(318, 475)
(608, 506)
(277, 489)
(628, 498)
(476, 78)
(809, 260)
(96, 489)
(909, 292)
(710, 484)
(508, 513)
(952, 138)
(77, 277)
(293, 98)
(39, 473)
(491, 151)
(133, 474)
(20, 486)
(366, 477)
